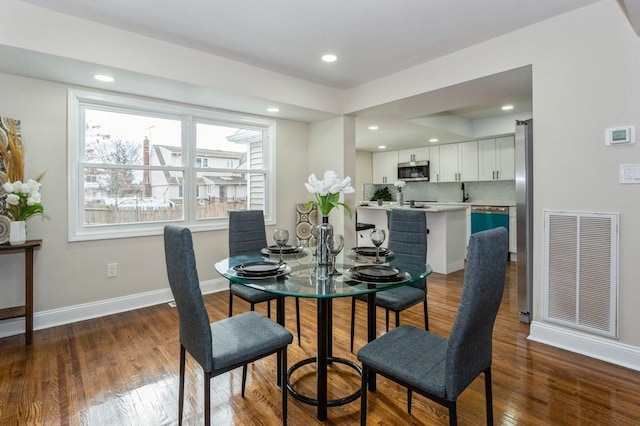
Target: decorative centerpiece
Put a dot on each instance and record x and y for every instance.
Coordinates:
(327, 192)
(23, 202)
(399, 184)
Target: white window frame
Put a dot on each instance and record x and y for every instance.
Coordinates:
(77, 231)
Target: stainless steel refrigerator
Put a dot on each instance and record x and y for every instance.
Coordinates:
(524, 217)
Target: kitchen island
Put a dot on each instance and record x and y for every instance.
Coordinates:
(446, 240)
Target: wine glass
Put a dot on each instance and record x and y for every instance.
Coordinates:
(377, 238)
(305, 254)
(335, 243)
(281, 236)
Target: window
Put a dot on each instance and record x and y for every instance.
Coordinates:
(136, 165)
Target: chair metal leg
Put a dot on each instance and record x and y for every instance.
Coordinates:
(181, 386)
(363, 396)
(387, 319)
(283, 380)
(397, 319)
(230, 303)
(207, 399)
(453, 414)
(409, 399)
(353, 319)
(268, 308)
(426, 313)
(244, 379)
(488, 396)
(298, 318)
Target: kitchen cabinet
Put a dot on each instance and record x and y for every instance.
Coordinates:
(467, 221)
(496, 158)
(434, 164)
(414, 154)
(385, 167)
(459, 162)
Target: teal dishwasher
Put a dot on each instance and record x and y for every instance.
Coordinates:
(489, 217)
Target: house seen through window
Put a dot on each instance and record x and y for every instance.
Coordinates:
(140, 165)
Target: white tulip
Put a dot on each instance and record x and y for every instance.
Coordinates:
(13, 199)
(33, 185)
(34, 198)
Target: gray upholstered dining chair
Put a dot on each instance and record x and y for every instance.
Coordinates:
(247, 235)
(408, 241)
(441, 368)
(220, 346)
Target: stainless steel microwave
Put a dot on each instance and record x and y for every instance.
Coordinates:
(413, 171)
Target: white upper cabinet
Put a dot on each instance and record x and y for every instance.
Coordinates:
(448, 163)
(505, 155)
(468, 160)
(414, 154)
(385, 167)
(496, 159)
(434, 163)
(459, 162)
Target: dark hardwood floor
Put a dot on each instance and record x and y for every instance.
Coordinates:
(123, 370)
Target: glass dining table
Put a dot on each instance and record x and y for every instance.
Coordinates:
(301, 277)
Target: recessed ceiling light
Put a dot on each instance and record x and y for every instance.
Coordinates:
(329, 58)
(105, 78)
(382, 146)
(373, 127)
(273, 109)
(433, 140)
(507, 107)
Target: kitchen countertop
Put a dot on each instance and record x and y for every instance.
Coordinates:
(431, 208)
(443, 203)
(475, 203)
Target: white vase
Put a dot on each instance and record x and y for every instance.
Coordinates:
(17, 232)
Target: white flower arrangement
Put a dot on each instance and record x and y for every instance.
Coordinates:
(327, 191)
(23, 200)
(399, 184)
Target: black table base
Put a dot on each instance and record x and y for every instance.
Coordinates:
(313, 401)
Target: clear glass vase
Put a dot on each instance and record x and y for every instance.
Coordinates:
(400, 198)
(323, 255)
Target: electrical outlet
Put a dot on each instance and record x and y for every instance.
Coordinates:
(112, 270)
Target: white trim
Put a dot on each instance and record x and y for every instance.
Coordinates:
(586, 344)
(71, 314)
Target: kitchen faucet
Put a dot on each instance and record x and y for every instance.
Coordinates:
(465, 196)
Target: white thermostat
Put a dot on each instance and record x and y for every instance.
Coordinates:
(620, 135)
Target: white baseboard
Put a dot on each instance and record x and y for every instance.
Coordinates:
(70, 314)
(455, 266)
(585, 344)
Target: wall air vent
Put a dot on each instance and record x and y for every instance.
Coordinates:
(581, 271)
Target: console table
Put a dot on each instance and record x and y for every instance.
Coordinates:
(25, 310)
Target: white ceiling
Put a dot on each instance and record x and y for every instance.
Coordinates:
(371, 38)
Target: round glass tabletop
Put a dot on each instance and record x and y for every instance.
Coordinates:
(303, 278)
